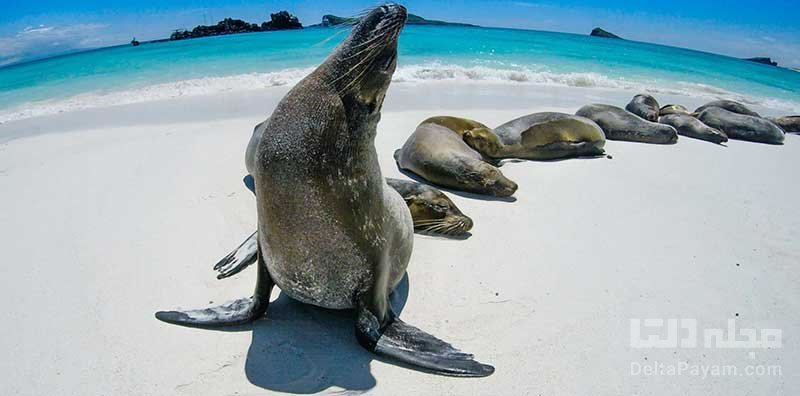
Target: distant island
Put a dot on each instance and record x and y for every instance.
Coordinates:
(278, 21)
(764, 60)
(333, 20)
(598, 32)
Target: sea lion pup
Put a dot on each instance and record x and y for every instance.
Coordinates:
(644, 106)
(734, 107)
(439, 155)
(331, 232)
(673, 109)
(686, 125)
(620, 124)
(540, 136)
(742, 127)
(431, 210)
(789, 124)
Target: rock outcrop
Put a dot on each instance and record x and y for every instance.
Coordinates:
(598, 32)
(766, 61)
(279, 21)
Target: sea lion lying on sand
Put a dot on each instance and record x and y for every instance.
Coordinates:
(672, 109)
(539, 136)
(740, 126)
(644, 106)
(686, 125)
(620, 124)
(438, 154)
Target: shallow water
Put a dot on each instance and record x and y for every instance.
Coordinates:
(127, 74)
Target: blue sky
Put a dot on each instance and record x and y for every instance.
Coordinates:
(30, 29)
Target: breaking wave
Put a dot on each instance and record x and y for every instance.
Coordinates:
(406, 74)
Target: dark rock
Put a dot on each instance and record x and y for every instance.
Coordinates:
(279, 21)
(598, 32)
(766, 61)
(282, 21)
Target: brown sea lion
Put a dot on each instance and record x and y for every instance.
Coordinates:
(644, 106)
(620, 124)
(741, 126)
(539, 136)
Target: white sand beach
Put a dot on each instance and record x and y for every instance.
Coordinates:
(111, 214)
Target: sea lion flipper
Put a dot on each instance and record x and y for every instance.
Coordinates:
(239, 259)
(413, 346)
(250, 183)
(233, 313)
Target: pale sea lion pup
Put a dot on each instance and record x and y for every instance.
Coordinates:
(686, 125)
(734, 107)
(673, 109)
(540, 136)
(740, 126)
(789, 124)
(620, 124)
(437, 154)
(644, 106)
(331, 232)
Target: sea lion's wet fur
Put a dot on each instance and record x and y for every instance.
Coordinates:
(540, 136)
(644, 106)
(438, 154)
(686, 125)
(620, 124)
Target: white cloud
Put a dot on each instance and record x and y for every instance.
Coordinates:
(42, 40)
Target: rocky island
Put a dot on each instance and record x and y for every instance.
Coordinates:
(333, 20)
(598, 32)
(278, 21)
(764, 60)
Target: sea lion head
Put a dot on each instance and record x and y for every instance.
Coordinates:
(433, 211)
(483, 140)
(490, 179)
(361, 68)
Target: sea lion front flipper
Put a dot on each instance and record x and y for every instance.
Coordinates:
(239, 259)
(413, 346)
(233, 313)
(250, 183)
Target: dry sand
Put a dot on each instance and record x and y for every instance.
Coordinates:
(112, 214)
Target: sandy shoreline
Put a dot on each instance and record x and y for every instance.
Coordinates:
(115, 213)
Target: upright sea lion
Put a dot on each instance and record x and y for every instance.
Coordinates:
(539, 136)
(672, 109)
(644, 106)
(620, 124)
(740, 126)
(686, 125)
(789, 124)
(439, 155)
(734, 107)
(331, 232)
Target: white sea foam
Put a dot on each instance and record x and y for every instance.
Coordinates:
(406, 74)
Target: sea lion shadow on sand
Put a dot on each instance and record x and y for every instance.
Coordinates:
(464, 194)
(304, 349)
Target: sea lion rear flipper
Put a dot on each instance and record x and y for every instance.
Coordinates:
(239, 259)
(413, 346)
(233, 313)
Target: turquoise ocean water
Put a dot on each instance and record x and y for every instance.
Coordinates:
(129, 74)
